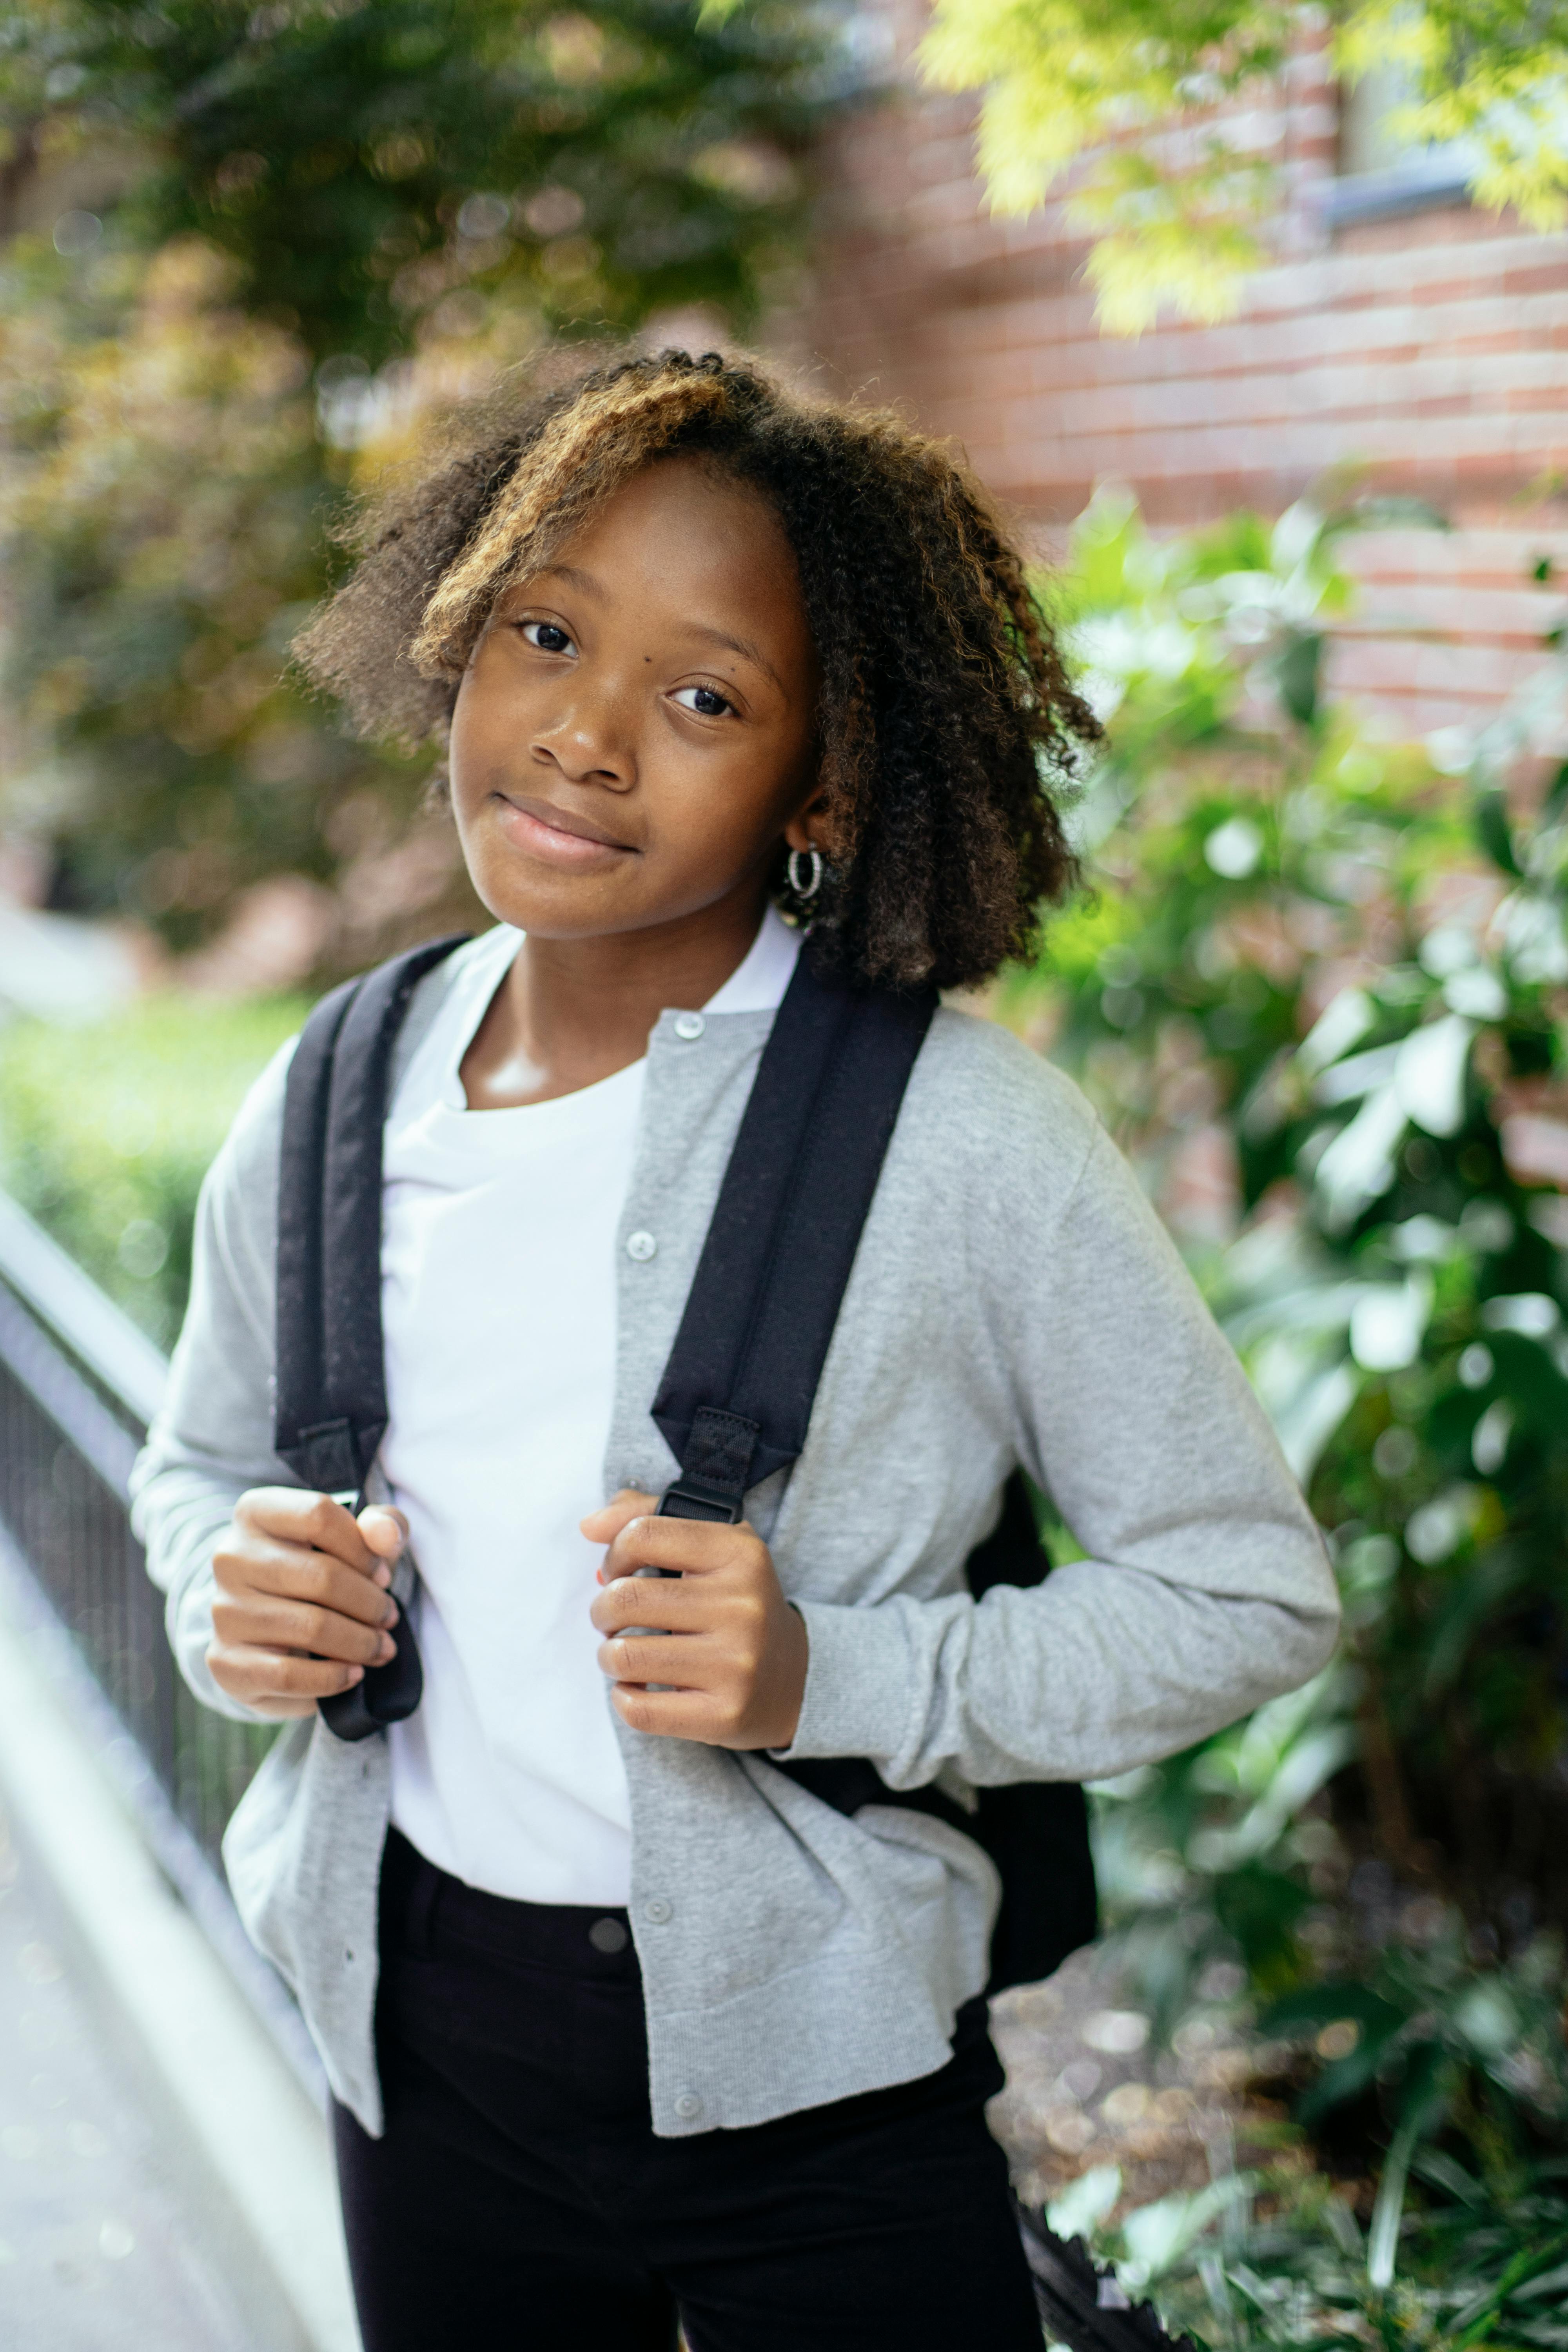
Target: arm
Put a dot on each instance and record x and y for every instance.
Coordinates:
(276, 1598)
(1207, 1590)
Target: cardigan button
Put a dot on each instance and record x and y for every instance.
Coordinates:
(689, 2106)
(641, 1246)
(659, 1912)
(689, 1025)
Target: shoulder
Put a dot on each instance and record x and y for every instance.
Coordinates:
(247, 1166)
(979, 1098)
(475, 969)
(249, 1157)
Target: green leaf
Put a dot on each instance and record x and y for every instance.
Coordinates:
(1493, 831)
(1260, 1908)
(1297, 669)
(1382, 2238)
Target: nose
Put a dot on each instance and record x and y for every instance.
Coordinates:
(589, 738)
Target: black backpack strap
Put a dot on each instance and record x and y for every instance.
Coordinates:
(331, 1407)
(329, 1412)
(302, 1422)
(737, 1395)
(738, 1388)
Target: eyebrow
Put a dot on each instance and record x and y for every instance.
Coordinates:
(587, 584)
(744, 647)
(572, 577)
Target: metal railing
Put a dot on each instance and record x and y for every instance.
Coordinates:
(78, 1385)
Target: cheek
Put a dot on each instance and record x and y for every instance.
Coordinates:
(724, 807)
(708, 826)
(467, 751)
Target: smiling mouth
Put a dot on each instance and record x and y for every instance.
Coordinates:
(558, 836)
(559, 820)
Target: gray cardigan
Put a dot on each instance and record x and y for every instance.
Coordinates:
(1013, 1300)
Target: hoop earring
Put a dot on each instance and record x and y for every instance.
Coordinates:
(804, 890)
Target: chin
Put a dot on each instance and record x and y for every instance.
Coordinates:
(547, 906)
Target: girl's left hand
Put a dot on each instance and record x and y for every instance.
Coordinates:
(735, 1669)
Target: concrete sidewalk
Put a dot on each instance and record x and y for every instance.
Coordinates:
(103, 2246)
(165, 2181)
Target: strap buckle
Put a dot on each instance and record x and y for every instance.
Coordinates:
(689, 1498)
(716, 1470)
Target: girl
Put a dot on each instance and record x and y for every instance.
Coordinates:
(640, 2027)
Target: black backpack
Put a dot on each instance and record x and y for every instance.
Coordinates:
(737, 1392)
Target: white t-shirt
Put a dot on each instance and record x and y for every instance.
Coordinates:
(499, 1310)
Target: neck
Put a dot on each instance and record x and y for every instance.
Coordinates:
(571, 1011)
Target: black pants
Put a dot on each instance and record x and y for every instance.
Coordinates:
(520, 2201)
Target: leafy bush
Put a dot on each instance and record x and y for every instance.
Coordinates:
(1318, 992)
(106, 1132)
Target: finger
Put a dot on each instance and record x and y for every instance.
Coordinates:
(604, 1525)
(263, 1620)
(253, 1674)
(683, 1546)
(686, 1664)
(670, 1714)
(292, 1573)
(385, 1530)
(295, 1515)
(671, 1604)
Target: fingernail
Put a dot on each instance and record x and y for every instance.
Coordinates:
(356, 1674)
(388, 1648)
(383, 1575)
(391, 1613)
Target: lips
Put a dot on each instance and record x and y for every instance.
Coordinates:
(557, 835)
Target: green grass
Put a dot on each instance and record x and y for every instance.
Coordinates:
(105, 1131)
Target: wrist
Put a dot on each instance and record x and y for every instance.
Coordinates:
(795, 1645)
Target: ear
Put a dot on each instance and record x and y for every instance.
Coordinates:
(810, 827)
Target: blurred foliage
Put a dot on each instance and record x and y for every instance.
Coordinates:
(366, 166)
(1319, 991)
(1146, 107)
(249, 254)
(111, 1162)
(164, 509)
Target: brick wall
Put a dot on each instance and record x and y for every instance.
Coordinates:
(1431, 349)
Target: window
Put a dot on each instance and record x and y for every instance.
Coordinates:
(1380, 174)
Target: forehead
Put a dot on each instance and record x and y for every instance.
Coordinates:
(684, 530)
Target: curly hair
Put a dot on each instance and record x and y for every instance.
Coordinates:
(947, 724)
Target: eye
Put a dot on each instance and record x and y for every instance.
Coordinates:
(705, 701)
(548, 637)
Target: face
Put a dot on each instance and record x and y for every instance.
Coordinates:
(634, 734)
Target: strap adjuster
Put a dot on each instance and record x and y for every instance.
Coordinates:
(689, 1499)
(716, 1468)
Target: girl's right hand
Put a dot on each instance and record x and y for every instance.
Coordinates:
(303, 1606)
